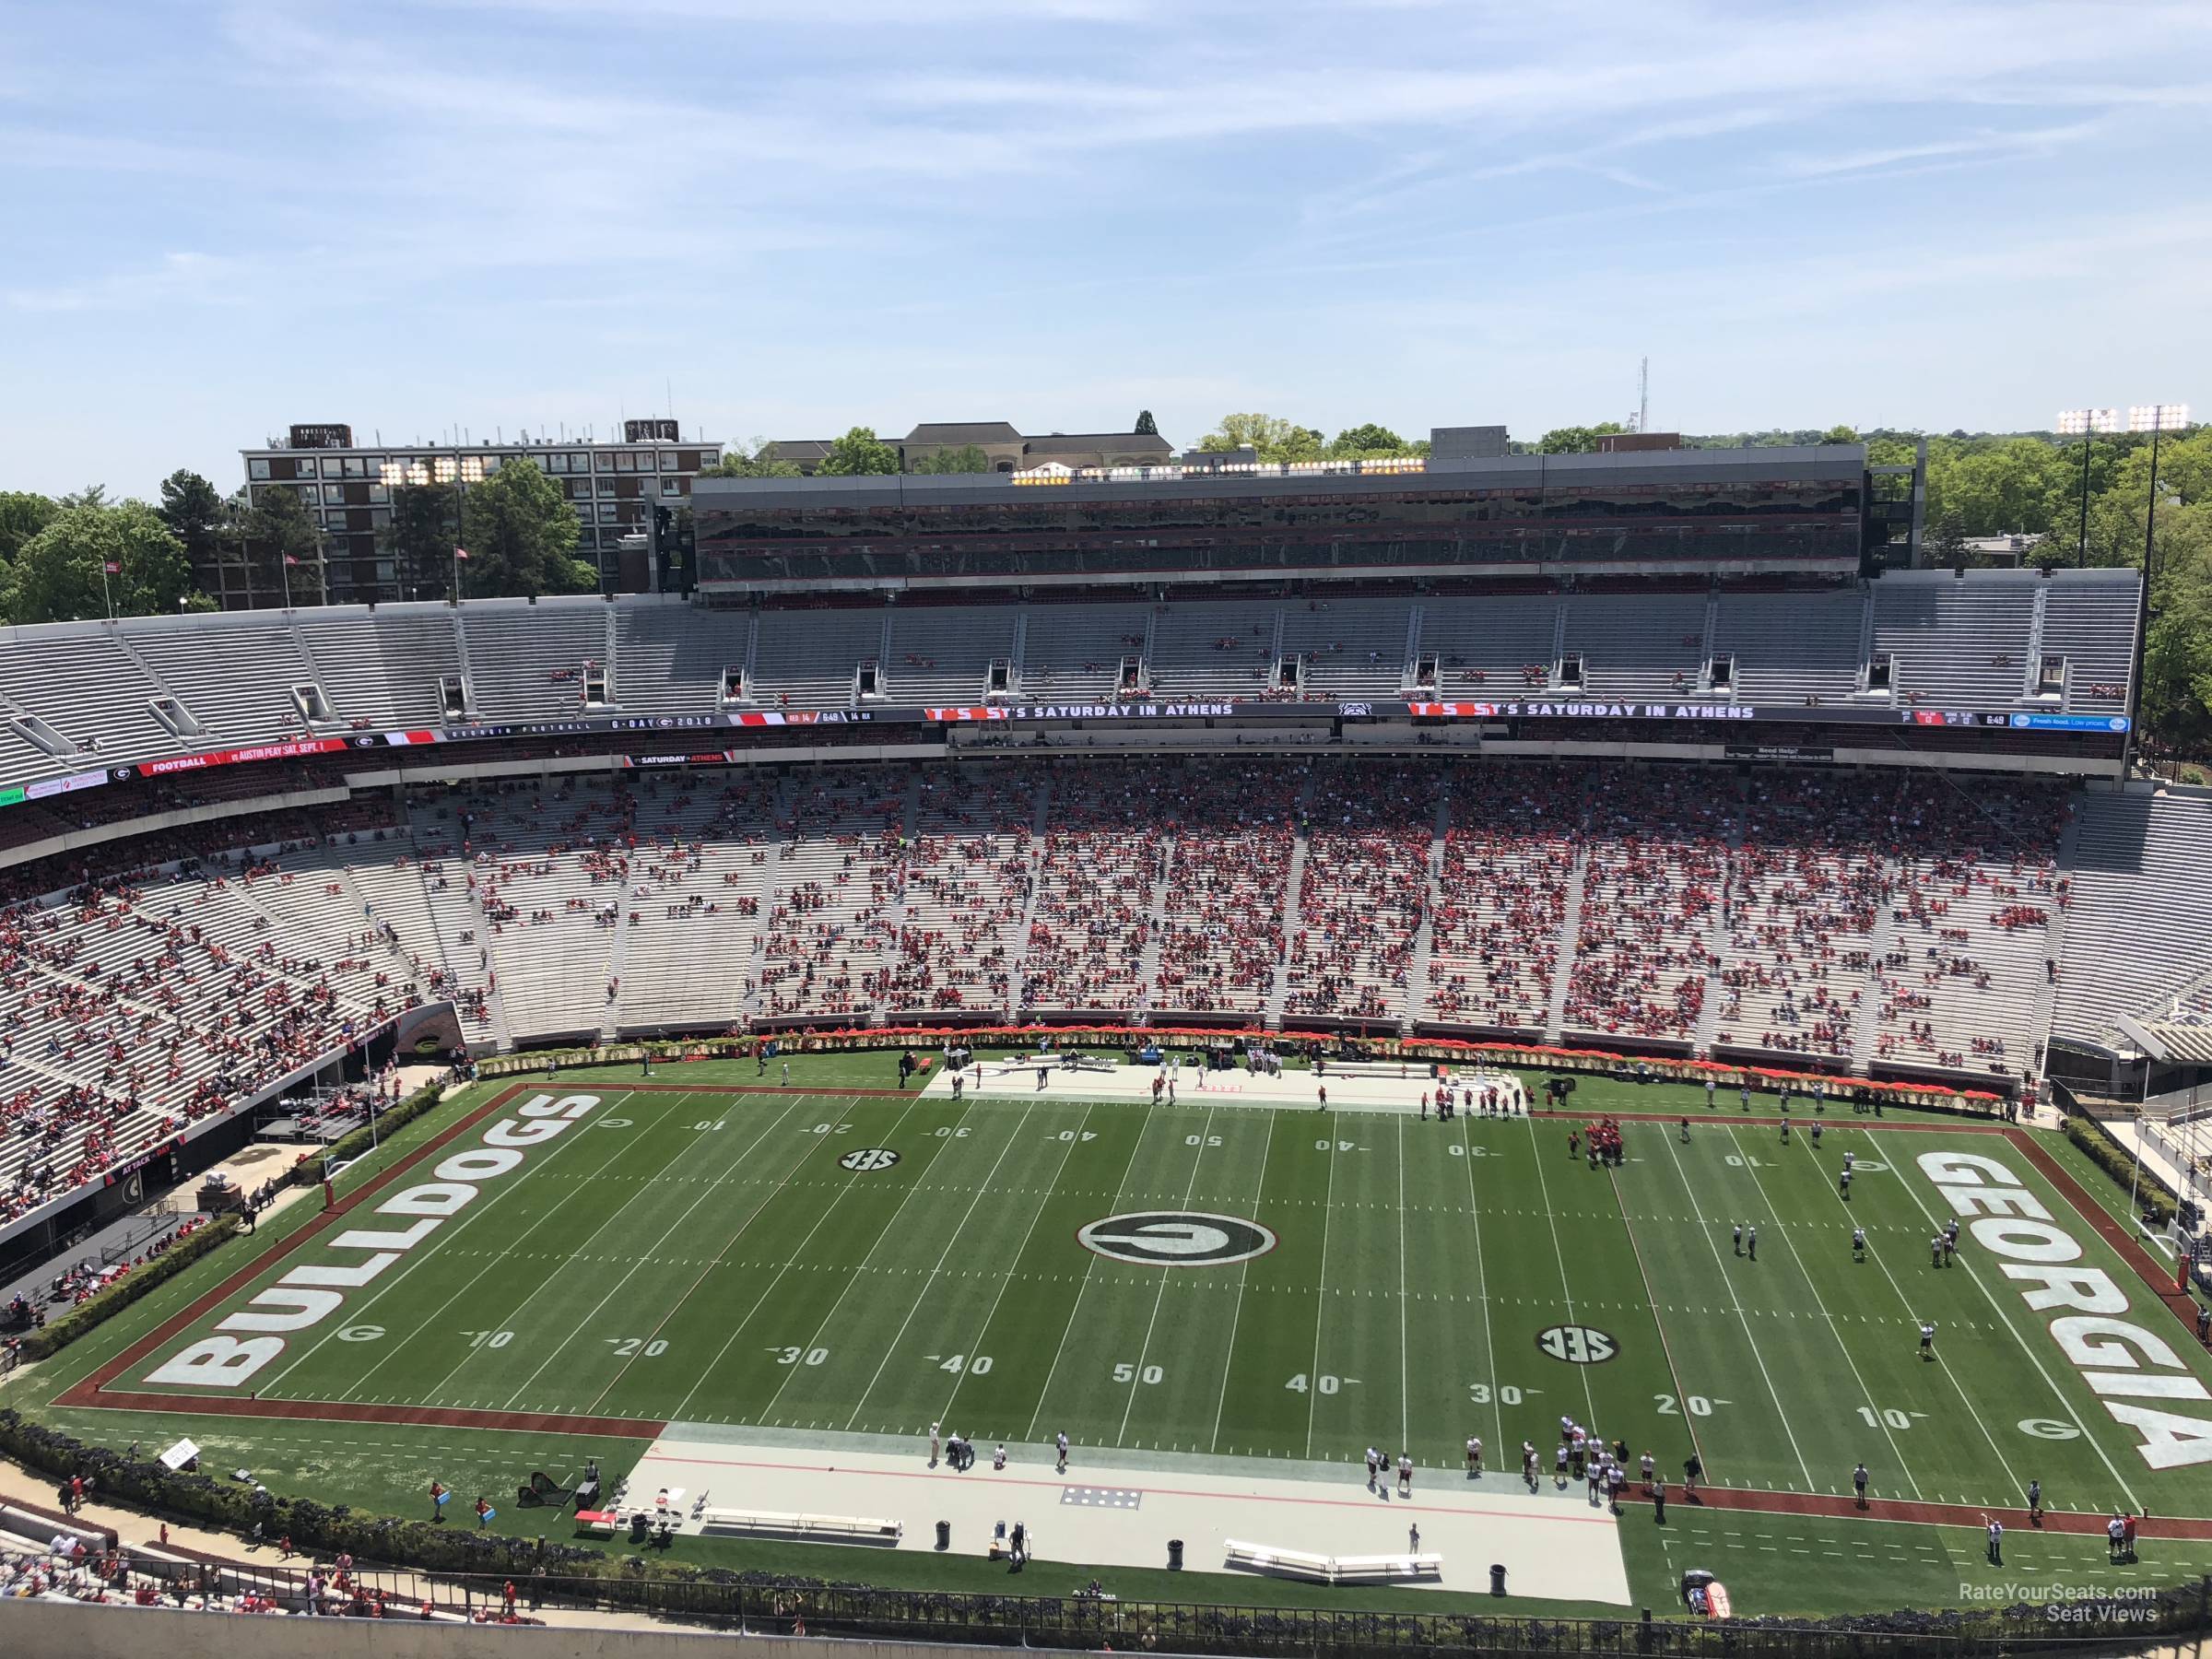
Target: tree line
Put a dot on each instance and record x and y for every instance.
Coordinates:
(83, 555)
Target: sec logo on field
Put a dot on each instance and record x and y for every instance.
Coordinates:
(1578, 1345)
(868, 1159)
(1176, 1239)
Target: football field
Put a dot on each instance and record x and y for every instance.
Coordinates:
(1224, 1280)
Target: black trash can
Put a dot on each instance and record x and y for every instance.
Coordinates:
(945, 1534)
(1174, 1555)
(1497, 1579)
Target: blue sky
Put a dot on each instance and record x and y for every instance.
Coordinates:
(517, 213)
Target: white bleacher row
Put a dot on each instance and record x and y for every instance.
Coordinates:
(1972, 643)
(133, 1012)
(1900, 922)
(2138, 925)
(1364, 890)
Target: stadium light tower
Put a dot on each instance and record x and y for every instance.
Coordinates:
(2154, 418)
(2087, 423)
(459, 474)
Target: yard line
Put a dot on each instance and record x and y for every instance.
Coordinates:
(1321, 1296)
(678, 1307)
(1558, 1255)
(1798, 1256)
(1068, 1151)
(2065, 1404)
(923, 1295)
(1744, 1318)
(706, 1191)
(737, 1328)
(1160, 1296)
(1075, 1306)
(1405, 1386)
(687, 1151)
(1237, 1312)
(1689, 1419)
(861, 1267)
(416, 1260)
(1489, 1346)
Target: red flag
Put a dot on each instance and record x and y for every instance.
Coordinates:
(460, 552)
(113, 568)
(288, 559)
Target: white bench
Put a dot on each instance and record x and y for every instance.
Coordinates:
(849, 1529)
(1331, 1569)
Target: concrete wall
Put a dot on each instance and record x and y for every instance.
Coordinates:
(34, 1629)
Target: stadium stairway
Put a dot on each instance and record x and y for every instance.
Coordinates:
(1039, 829)
(617, 954)
(2054, 950)
(1708, 1028)
(1865, 1034)
(1424, 938)
(780, 810)
(1156, 931)
(1571, 930)
(1279, 994)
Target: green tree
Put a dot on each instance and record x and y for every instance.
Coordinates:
(967, 458)
(196, 514)
(58, 574)
(758, 462)
(1355, 442)
(418, 539)
(1146, 424)
(22, 516)
(1270, 437)
(279, 526)
(1576, 440)
(1946, 543)
(858, 453)
(521, 536)
(1840, 434)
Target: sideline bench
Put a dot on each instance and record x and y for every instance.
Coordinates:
(828, 1529)
(1331, 1569)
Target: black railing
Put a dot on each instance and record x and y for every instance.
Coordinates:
(1093, 1623)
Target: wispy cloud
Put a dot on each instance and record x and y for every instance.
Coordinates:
(1350, 209)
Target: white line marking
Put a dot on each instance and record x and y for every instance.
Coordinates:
(1236, 1313)
(1075, 1306)
(706, 1191)
(923, 1295)
(737, 1328)
(1490, 1348)
(1144, 1348)
(1751, 1341)
(2033, 1358)
(1797, 1256)
(853, 1278)
(415, 1260)
(1558, 1255)
(1321, 1296)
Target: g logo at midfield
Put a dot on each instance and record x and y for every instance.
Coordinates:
(868, 1159)
(1578, 1345)
(1175, 1239)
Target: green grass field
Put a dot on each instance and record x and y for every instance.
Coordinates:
(713, 1255)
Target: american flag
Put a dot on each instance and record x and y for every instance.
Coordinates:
(289, 560)
(460, 552)
(113, 567)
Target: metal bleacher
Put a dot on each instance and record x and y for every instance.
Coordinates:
(1955, 643)
(2139, 925)
(515, 648)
